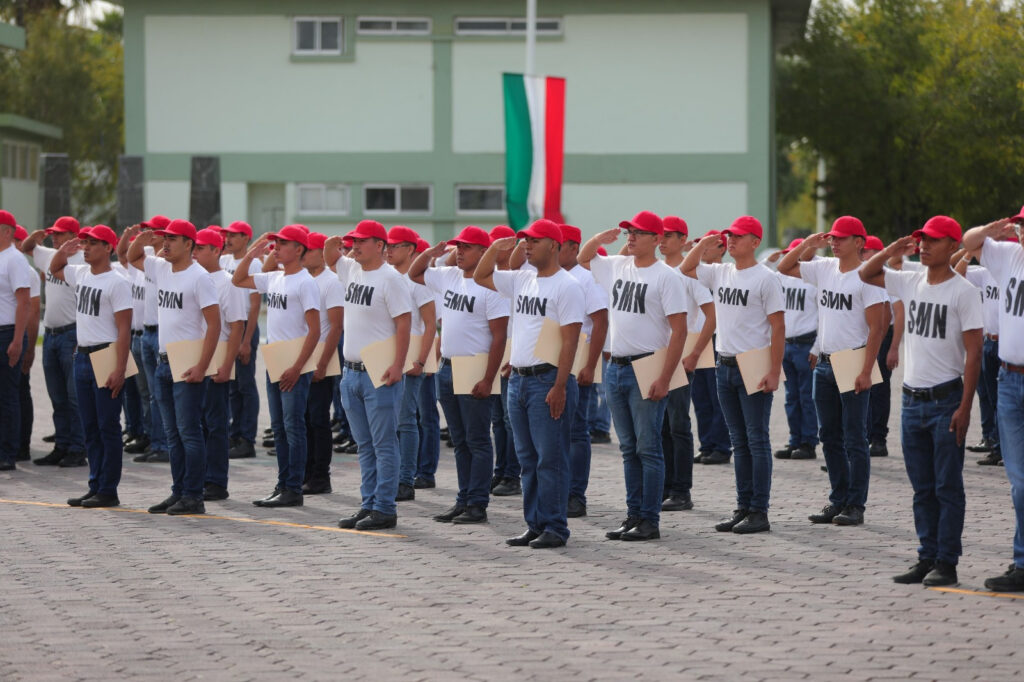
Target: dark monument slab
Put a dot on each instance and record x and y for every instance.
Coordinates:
(56, 183)
(204, 197)
(130, 184)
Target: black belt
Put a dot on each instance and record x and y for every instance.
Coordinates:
(444, 361)
(6, 328)
(825, 358)
(150, 327)
(935, 392)
(162, 357)
(1010, 367)
(89, 350)
(60, 330)
(627, 359)
(803, 339)
(728, 360)
(137, 332)
(533, 370)
(357, 366)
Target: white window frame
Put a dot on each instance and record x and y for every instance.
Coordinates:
(508, 30)
(480, 211)
(322, 186)
(394, 30)
(318, 50)
(398, 187)
(12, 159)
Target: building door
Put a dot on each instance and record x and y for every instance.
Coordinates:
(266, 206)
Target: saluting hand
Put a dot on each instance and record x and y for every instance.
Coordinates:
(816, 241)
(258, 247)
(901, 246)
(504, 244)
(71, 246)
(609, 236)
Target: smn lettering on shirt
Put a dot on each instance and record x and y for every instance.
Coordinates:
(88, 300)
(456, 301)
(927, 319)
(532, 305)
(731, 296)
(50, 279)
(795, 298)
(278, 301)
(360, 294)
(831, 299)
(630, 297)
(1014, 297)
(170, 299)
(138, 293)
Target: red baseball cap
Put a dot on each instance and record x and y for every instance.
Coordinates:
(64, 224)
(571, 233)
(182, 228)
(646, 221)
(369, 229)
(210, 236)
(422, 245)
(674, 223)
(502, 231)
(316, 240)
(601, 251)
(239, 227)
(873, 243)
(291, 233)
(940, 226)
(20, 233)
(848, 226)
(157, 222)
(793, 244)
(471, 234)
(543, 229)
(1019, 218)
(745, 224)
(7, 219)
(100, 232)
(400, 234)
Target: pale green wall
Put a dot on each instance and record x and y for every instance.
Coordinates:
(22, 198)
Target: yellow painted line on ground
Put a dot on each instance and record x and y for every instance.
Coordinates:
(980, 593)
(239, 519)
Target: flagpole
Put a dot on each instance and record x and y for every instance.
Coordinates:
(531, 36)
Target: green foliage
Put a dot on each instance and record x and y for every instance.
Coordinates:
(917, 107)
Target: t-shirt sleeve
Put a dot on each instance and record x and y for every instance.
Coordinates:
(872, 295)
(421, 295)
(344, 269)
(706, 273)
(41, 257)
(205, 291)
(120, 295)
(571, 303)
(602, 268)
(234, 307)
(21, 273)
(397, 297)
(505, 283)
(971, 314)
(434, 280)
(261, 281)
(701, 294)
(771, 294)
(335, 297)
(309, 295)
(496, 305)
(809, 271)
(152, 266)
(895, 281)
(255, 266)
(71, 273)
(673, 293)
(996, 257)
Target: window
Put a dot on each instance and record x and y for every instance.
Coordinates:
(489, 199)
(317, 199)
(317, 35)
(397, 199)
(498, 26)
(393, 26)
(20, 161)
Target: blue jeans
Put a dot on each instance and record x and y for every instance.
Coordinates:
(101, 422)
(881, 396)
(244, 397)
(935, 466)
(843, 423)
(506, 464)
(59, 372)
(542, 447)
(677, 443)
(132, 407)
(150, 359)
(215, 427)
(988, 390)
(408, 429)
(288, 421)
(10, 398)
(600, 415)
(142, 385)
(430, 430)
(373, 417)
(181, 406)
(800, 412)
(468, 421)
(28, 413)
(339, 409)
(1011, 439)
(747, 417)
(579, 448)
(638, 425)
(319, 445)
(711, 428)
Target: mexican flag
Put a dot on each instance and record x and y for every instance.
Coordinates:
(534, 134)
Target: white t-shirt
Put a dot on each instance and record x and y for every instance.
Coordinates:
(332, 295)
(234, 303)
(936, 318)
(60, 297)
(15, 273)
(842, 299)
(373, 299)
(982, 278)
(466, 308)
(743, 301)
(1005, 262)
(180, 300)
(594, 296)
(288, 299)
(696, 295)
(419, 295)
(137, 281)
(150, 316)
(558, 297)
(639, 300)
(801, 305)
(99, 297)
(229, 264)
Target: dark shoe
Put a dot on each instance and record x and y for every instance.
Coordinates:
(628, 524)
(444, 432)
(828, 512)
(242, 450)
(850, 516)
(522, 540)
(699, 457)
(508, 488)
(785, 452)
(316, 488)
(214, 492)
(7, 466)
(985, 445)
(496, 481)
(1011, 581)
(351, 521)
(645, 530)
(268, 433)
(268, 442)
(755, 522)
(878, 449)
(449, 516)
(24, 455)
(159, 456)
(420, 483)
(165, 505)
(50, 439)
(51, 459)
(144, 457)
(576, 508)
(77, 501)
(263, 500)
(600, 438)
(992, 459)
(805, 451)
(378, 521)
(271, 452)
(727, 525)
(99, 500)
(136, 446)
(73, 459)
(547, 540)
(942, 575)
(351, 449)
(405, 493)
(677, 502)
(916, 573)
(187, 505)
(449, 443)
(341, 438)
(285, 498)
(716, 457)
(471, 514)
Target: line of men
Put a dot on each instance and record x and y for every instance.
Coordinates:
(634, 312)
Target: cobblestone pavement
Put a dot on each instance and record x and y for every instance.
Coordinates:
(251, 594)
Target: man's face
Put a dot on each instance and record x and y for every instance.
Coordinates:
(467, 256)
(843, 247)
(672, 243)
(288, 252)
(95, 251)
(61, 238)
(366, 251)
(314, 259)
(400, 254)
(567, 254)
(937, 251)
(642, 243)
(540, 252)
(176, 247)
(235, 241)
(207, 255)
(742, 245)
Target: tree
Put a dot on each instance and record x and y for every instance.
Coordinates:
(917, 106)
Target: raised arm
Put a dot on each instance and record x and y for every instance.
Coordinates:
(790, 263)
(589, 250)
(484, 273)
(873, 270)
(693, 258)
(975, 237)
(422, 262)
(242, 278)
(137, 250)
(60, 258)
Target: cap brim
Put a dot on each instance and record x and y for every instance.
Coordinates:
(1017, 219)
